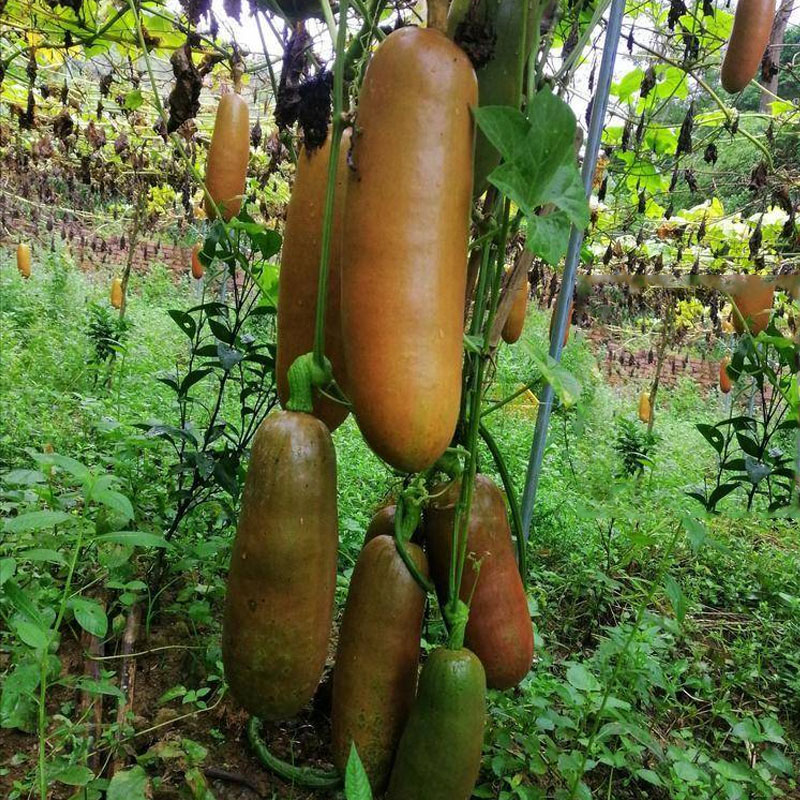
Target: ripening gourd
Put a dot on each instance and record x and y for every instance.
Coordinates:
(752, 25)
(645, 408)
(116, 293)
(197, 265)
(754, 298)
(24, 259)
(725, 383)
(226, 168)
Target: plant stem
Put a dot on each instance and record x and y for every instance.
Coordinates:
(337, 127)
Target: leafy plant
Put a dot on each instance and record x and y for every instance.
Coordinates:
(634, 445)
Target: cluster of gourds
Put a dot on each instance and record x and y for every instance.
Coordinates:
(394, 318)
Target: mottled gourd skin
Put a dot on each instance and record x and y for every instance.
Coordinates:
(754, 300)
(499, 630)
(297, 284)
(725, 383)
(405, 245)
(228, 154)
(439, 755)
(515, 322)
(279, 602)
(752, 25)
(24, 260)
(499, 81)
(375, 678)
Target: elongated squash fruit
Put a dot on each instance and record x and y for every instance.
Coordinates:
(279, 602)
(725, 383)
(375, 679)
(116, 293)
(754, 299)
(297, 284)
(197, 265)
(645, 408)
(24, 259)
(752, 25)
(382, 523)
(439, 756)
(500, 80)
(515, 322)
(228, 154)
(405, 246)
(499, 629)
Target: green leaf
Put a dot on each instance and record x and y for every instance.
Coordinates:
(68, 464)
(686, 771)
(24, 477)
(133, 539)
(676, 597)
(548, 236)
(356, 783)
(32, 634)
(649, 776)
(21, 602)
(777, 761)
(583, 680)
(733, 771)
(36, 521)
(90, 615)
(74, 775)
(132, 784)
(42, 554)
(17, 705)
(133, 100)
(116, 501)
(8, 567)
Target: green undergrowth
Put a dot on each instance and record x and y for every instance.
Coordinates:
(668, 645)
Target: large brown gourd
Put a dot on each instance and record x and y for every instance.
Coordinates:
(228, 154)
(499, 630)
(375, 679)
(752, 25)
(405, 251)
(279, 601)
(297, 285)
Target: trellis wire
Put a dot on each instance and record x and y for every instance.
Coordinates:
(571, 264)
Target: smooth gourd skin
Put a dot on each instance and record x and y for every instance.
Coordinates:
(725, 383)
(279, 602)
(24, 260)
(226, 168)
(499, 81)
(645, 408)
(375, 679)
(197, 266)
(754, 300)
(116, 293)
(297, 284)
(405, 246)
(499, 630)
(752, 25)
(515, 322)
(381, 524)
(439, 755)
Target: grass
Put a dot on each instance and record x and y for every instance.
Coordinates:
(668, 646)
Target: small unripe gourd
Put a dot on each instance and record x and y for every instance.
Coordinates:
(24, 259)
(197, 266)
(116, 293)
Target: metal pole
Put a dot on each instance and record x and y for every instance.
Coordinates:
(599, 107)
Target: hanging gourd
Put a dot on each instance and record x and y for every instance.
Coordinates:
(753, 298)
(197, 265)
(24, 259)
(299, 275)
(752, 25)
(116, 293)
(725, 383)
(645, 408)
(228, 154)
(405, 245)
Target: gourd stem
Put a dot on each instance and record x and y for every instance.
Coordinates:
(302, 776)
(508, 485)
(437, 15)
(301, 384)
(405, 524)
(337, 127)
